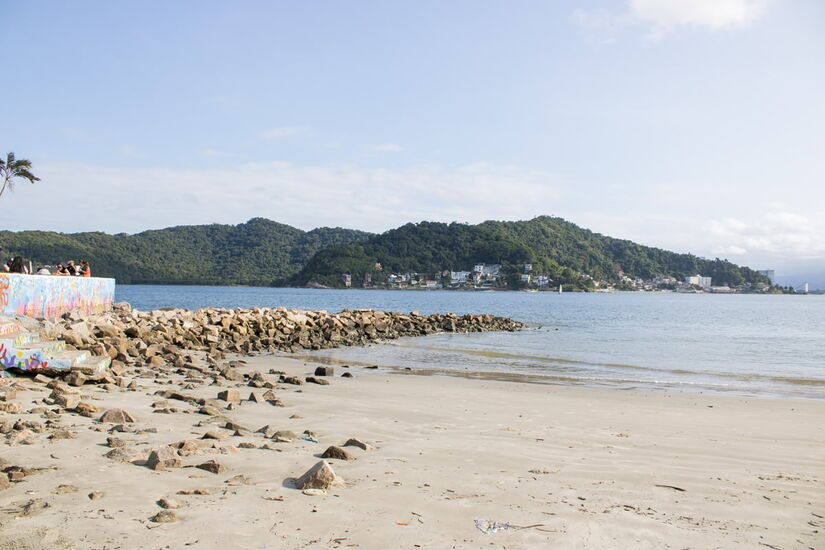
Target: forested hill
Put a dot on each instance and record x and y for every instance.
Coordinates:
(555, 247)
(258, 252)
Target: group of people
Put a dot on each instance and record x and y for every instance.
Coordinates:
(18, 265)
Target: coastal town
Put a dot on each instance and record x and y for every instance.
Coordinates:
(495, 277)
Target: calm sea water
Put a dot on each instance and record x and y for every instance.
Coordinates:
(739, 344)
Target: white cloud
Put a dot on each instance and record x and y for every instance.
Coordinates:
(781, 233)
(75, 197)
(387, 148)
(662, 17)
(282, 131)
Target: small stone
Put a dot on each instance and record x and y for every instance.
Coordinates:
(337, 453)
(211, 411)
(230, 396)
(121, 454)
(267, 430)
(170, 503)
(212, 466)
(347, 375)
(320, 476)
(165, 516)
(115, 442)
(85, 408)
(67, 400)
(95, 495)
(193, 492)
(63, 489)
(247, 445)
(254, 397)
(163, 458)
(292, 380)
(4, 481)
(220, 435)
(355, 442)
(319, 381)
(284, 435)
(117, 416)
(325, 371)
(61, 434)
(76, 378)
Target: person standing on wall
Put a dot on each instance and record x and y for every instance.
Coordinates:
(85, 270)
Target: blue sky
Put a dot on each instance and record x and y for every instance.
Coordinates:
(695, 126)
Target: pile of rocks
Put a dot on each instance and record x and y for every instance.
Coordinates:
(155, 338)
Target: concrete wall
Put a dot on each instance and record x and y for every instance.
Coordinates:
(51, 295)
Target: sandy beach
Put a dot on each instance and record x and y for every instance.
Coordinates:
(565, 467)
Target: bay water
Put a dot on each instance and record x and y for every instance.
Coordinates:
(746, 345)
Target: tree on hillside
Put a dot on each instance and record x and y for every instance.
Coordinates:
(11, 168)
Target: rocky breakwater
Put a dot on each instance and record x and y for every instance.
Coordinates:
(132, 337)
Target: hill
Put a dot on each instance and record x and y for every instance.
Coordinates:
(562, 250)
(258, 252)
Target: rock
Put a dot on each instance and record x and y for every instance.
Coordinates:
(325, 371)
(346, 375)
(211, 411)
(165, 516)
(320, 476)
(121, 454)
(292, 380)
(254, 397)
(193, 492)
(170, 503)
(85, 408)
(95, 495)
(163, 458)
(67, 400)
(267, 430)
(116, 442)
(319, 381)
(117, 416)
(212, 466)
(76, 378)
(63, 489)
(285, 435)
(156, 361)
(355, 442)
(4, 481)
(61, 434)
(337, 453)
(220, 435)
(230, 396)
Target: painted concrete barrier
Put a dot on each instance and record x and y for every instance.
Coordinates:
(43, 296)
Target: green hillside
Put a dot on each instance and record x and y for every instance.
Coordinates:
(560, 249)
(258, 252)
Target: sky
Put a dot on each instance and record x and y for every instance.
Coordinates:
(696, 126)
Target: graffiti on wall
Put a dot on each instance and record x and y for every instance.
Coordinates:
(51, 296)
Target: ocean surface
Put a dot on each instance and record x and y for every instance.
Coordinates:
(746, 345)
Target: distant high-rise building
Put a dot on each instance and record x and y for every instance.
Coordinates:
(769, 273)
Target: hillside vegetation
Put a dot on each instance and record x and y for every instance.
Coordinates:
(558, 248)
(258, 252)
(263, 252)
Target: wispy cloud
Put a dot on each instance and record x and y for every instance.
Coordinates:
(387, 148)
(662, 17)
(780, 232)
(282, 131)
(213, 153)
(127, 199)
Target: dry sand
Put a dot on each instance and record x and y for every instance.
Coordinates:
(580, 468)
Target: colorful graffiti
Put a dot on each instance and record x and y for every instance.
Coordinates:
(44, 296)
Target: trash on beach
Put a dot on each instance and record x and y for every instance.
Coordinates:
(310, 439)
(314, 492)
(489, 527)
(675, 488)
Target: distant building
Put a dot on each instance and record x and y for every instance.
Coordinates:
(769, 273)
(698, 280)
(346, 278)
(478, 268)
(525, 278)
(541, 280)
(459, 277)
(528, 268)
